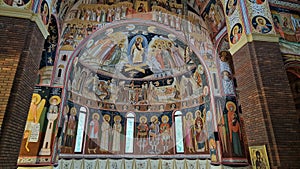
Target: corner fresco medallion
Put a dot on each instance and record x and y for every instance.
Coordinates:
(261, 24)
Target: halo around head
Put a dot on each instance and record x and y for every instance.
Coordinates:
(58, 100)
(165, 118)
(189, 114)
(139, 38)
(117, 118)
(45, 6)
(143, 117)
(73, 111)
(97, 115)
(154, 118)
(106, 116)
(198, 113)
(236, 27)
(205, 90)
(263, 19)
(230, 103)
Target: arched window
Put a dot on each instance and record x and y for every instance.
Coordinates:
(129, 133)
(178, 132)
(64, 58)
(80, 130)
(59, 73)
(60, 69)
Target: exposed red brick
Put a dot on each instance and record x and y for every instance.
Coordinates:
(20, 52)
(269, 112)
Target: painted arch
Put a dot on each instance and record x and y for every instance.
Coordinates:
(140, 71)
(142, 68)
(153, 72)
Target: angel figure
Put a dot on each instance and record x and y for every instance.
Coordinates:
(32, 127)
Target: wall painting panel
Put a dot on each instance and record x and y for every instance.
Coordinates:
(40, 128)
(234, 20)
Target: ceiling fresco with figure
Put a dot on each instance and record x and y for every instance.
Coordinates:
(136, 52)
(140, 83)
(138, 56)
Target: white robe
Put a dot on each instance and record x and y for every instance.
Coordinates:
(105, 128)
(116, 137)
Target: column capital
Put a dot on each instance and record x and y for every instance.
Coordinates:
(253, 37)
(25, 14)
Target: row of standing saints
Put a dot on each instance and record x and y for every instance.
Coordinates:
(154, 137)
(106, 133)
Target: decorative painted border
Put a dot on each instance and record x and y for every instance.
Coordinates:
(285, 4)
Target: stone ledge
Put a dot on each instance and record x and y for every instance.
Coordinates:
(25, 14)
(253, 37)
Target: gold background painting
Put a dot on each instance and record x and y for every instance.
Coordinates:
(259, 157)
(138, 4)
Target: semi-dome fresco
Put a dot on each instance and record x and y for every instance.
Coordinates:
(140, 55)
(144, 73)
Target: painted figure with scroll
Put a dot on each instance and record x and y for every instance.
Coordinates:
(35, 110)
(222, 128)
(51, 117)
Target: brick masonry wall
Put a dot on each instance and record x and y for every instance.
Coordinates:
(20, 52)
(267, 103)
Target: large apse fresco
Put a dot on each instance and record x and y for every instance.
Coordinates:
(137, 89)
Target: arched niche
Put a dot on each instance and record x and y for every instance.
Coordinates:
(143, 68)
